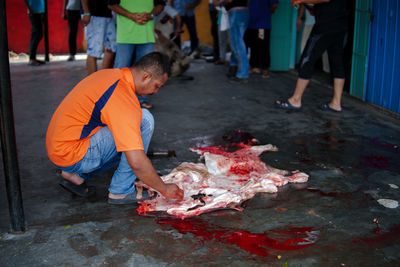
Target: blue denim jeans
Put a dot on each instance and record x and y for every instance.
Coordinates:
(126, 56)
(238, 20)
(103, 155)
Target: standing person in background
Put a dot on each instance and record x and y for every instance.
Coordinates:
(36, 17)
(238, 21)
(164, 22)
(135, 32)
(100, 31)
(223, 32)
(214, 30)
(328, 33)
(186, 9)
(309, 22)
(258, 35)
(72, 12)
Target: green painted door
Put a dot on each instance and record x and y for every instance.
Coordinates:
(283, 37)
(360, 48)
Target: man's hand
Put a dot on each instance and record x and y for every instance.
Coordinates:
(157, 10)
(140, 18)
(173, 191)
(64, 15)
(144, 170)
(85, 20)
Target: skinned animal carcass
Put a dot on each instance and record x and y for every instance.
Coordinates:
(225, 180)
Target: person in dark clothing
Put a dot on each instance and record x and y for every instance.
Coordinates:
(36, 16)
(214, 30)
(72, 13)
(258, 33)
(328, 33)
(186, 9)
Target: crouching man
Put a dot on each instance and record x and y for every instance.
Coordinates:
(100, 124)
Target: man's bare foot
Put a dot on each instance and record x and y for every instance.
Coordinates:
(288, 104)
(114, 196)
(76, 185)
(254, 70)
(146, 105)
(71, 177)
(335, 106)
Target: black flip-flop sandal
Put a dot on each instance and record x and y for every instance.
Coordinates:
(132, 198)
(285, 104)
(326, 107)
(82, 190)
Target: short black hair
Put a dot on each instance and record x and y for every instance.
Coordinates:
(155, 63)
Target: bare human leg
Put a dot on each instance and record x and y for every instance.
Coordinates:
(295, 99)
(71, 177)
(91, 64)
(338, 85)
(108, 59)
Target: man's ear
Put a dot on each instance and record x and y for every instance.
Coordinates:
(146, 77)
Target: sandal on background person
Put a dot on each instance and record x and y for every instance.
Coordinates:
(255, 71)
(265, 74)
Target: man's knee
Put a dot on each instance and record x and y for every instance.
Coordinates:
(147, 121)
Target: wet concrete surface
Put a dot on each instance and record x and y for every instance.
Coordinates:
(353, 160)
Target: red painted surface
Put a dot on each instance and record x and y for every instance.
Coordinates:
(19, 28)
(254, 243)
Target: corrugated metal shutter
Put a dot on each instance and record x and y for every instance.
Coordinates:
(383, 80)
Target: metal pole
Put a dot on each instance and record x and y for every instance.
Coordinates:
(8, 143)
(46, 32)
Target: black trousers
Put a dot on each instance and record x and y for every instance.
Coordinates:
(36, 33)
(214, 30)
(260, 56)
(73, 21)
(190, 22)
(316, 45)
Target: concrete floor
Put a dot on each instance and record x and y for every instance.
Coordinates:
(353, 160)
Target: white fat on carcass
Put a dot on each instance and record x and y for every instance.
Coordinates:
(224, 181)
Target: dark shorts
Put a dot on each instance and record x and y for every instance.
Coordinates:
(316, 45)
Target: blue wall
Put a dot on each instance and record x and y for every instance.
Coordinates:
(383, 76)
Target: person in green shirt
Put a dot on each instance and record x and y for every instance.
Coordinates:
(135, 32)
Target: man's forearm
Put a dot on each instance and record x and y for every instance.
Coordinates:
(178, 22)
(144, 170)
(85, 6)
(119, 10)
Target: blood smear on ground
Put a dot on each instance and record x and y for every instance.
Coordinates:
(224, 181)
(293, 238)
